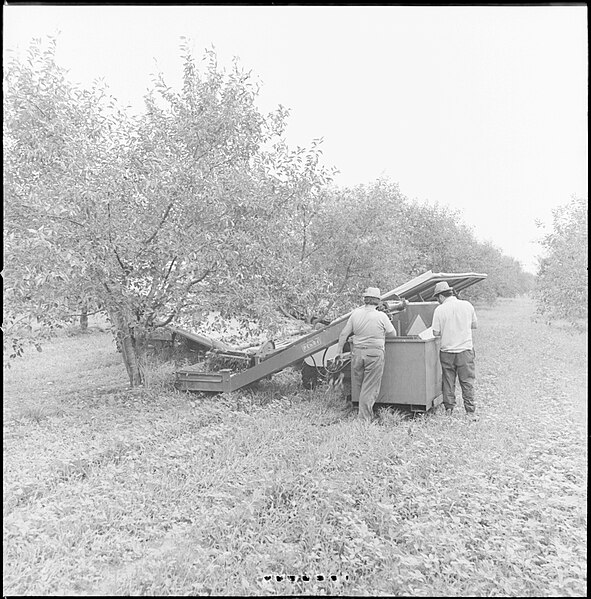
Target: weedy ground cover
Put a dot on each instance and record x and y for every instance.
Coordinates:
(282, 491)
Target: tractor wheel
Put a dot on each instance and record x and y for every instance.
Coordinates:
(309, 376)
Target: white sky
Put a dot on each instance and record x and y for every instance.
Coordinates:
(480, 108)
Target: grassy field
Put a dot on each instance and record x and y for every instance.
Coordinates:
(282, 491)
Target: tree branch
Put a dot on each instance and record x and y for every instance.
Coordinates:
(86, 314)
(181, 303)
(340, 290)
(126, 269)
(162, 221)
(52, 216)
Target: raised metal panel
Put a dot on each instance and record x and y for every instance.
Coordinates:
(420, 289)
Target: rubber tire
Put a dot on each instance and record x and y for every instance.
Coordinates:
(309, 376)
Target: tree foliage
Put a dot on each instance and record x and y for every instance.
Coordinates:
(374, 235)
(562, 291)
(197, 204)
(143, 215)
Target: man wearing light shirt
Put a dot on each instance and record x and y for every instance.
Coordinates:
(453, 322)
(370, 328)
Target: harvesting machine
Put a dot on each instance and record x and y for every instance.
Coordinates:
(412, 373)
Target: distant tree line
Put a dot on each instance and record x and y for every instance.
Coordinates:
(563, 274)
(196, 204)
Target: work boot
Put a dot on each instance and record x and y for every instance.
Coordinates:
(449, 411)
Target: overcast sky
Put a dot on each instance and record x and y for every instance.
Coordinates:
(483, 109)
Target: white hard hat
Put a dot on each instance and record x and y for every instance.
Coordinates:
(372, 292)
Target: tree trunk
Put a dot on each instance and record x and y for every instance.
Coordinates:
(84, 317)
(128, 346)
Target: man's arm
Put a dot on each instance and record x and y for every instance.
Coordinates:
(345, 333)
(474, 319)
(389, 329)
(436, 324)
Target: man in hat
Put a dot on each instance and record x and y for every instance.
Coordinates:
(369, 328)
(453, 321)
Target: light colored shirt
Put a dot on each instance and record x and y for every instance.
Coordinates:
(453, 321)
(369, 327)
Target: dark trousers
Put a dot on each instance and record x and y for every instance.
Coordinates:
(460, 365)
(367, 367)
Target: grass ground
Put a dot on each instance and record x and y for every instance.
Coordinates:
(281, 491)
